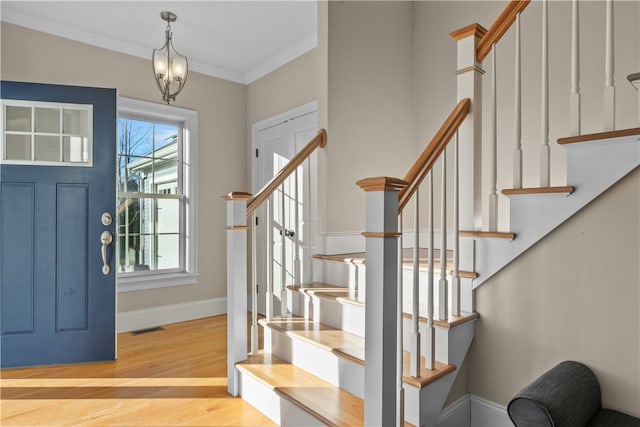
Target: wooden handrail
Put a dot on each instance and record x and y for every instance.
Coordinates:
(320, 140)
(499, 27)
(431, 153)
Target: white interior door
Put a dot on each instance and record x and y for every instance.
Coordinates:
(290, 230)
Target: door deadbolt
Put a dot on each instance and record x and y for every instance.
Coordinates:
(106, 218)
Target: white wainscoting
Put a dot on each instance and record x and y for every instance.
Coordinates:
(166, 314)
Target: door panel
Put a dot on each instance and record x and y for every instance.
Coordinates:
(57, 305)
(18, 223)
(276, 146)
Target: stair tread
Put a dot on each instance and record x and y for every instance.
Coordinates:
(344, 295)
(335, 340)
(538, 190)
(488, 234)
(330, 404)
(599, 136)
(427, 376)
(451, 322)
(349, 346)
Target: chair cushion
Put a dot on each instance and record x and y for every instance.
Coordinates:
(568, 395)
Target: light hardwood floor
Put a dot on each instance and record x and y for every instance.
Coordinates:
(175, 377)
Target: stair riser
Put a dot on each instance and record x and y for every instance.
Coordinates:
(349, 275)
(277, 408)
(316, 360)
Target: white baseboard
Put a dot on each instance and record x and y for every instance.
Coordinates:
(485, 413)
(166, 314)
(457, 414)
(474, 411)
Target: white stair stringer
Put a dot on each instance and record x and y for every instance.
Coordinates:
(423, 406)
(321, 362)
(592, 167)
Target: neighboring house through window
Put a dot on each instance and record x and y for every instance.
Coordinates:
(156, 222)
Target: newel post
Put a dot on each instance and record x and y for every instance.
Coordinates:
(236, 285)
(380, 404)
(469, 72)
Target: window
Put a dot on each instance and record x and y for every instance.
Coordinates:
(46, 133)
(156, 225)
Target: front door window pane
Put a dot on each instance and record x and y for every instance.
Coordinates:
(47, 148)
(18, 147)
(18, 119)
(47, 120)
(75, 122)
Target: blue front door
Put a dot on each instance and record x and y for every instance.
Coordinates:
(57, 298)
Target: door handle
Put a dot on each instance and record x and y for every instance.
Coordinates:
(105, 238)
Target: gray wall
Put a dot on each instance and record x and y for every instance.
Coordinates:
(37, 57)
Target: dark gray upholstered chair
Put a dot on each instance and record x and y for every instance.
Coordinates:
(568, 395)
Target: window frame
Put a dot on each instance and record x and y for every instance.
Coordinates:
(33, 133)
(187, 173)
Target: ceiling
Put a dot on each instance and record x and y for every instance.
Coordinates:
(234, 40)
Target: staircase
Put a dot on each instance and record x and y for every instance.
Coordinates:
(329, 359)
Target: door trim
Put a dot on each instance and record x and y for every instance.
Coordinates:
(310, 107)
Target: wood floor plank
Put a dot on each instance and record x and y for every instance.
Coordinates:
(173, 377)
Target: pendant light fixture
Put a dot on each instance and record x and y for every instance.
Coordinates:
(169, 67)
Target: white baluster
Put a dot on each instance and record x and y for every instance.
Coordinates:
(455, 277)
(574, 97)
(414, 365)
(296, 233)
(254, 287)
(400, 327)
(545, 153)
(517, 152)
(493, 148)
(283, 256)
(430, 339)
(308, 228)
(443, 285)
(269, 254)
(609, 88)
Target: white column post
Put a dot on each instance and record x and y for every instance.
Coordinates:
(609, 88)
(236, 285)
(380, 404)
(469, 71)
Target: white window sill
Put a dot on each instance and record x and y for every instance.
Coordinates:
(155, 281)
